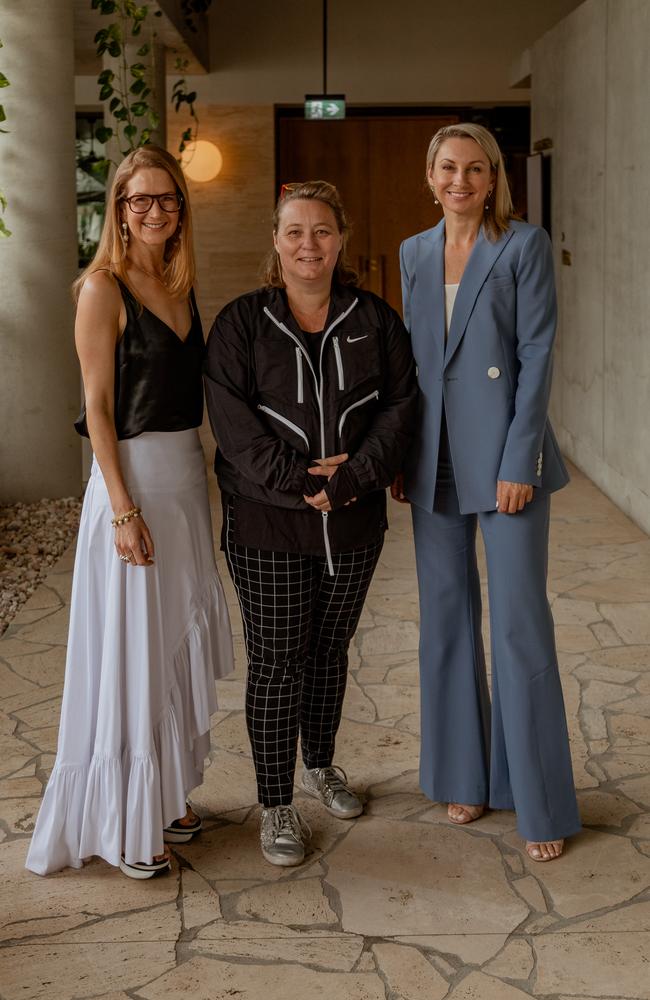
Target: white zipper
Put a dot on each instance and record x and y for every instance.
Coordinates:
(299, 373)
(284, 420)
(360, 402)
(321, 405)
(285, 329)
(328, 551)
(319, 392)
(317, 379)
(339, 362)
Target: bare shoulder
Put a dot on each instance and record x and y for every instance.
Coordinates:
(100, 309)
(100, 290)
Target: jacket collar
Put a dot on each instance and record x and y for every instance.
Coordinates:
(431, 266)
(482, 259)
(341, 298)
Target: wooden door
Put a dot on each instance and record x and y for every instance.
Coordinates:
(336, 152)
(378, 165)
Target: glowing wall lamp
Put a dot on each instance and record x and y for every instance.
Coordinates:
(201, 160)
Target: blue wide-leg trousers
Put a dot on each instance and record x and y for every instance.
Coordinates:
(513, 753)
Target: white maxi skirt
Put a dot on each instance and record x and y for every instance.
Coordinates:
(144, 648)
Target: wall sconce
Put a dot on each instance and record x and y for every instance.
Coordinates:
(201, 160)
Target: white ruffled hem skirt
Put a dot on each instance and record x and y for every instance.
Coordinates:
(144, 649)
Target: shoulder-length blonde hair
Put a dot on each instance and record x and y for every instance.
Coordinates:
(180, 267)
(344, 273)
(499, 208)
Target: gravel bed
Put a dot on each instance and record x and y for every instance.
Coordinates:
(32, 537)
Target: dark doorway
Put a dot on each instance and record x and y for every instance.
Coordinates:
(376, 158)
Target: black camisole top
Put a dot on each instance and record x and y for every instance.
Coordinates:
(158, 376)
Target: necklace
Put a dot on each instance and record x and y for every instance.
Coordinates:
(150, 274)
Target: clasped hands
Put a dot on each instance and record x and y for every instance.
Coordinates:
(511, 497)
(325, 467)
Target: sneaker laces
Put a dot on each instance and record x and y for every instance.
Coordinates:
(287, 821)
(333, 779)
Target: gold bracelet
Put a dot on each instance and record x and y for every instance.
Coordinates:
(128, 516)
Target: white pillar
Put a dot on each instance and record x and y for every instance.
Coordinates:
(40, 454)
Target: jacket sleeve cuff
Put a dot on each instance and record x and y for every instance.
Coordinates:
(342, 487)
(528, 471)
(312, 484)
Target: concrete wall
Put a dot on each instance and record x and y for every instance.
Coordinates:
(39, 377)
(589, 95)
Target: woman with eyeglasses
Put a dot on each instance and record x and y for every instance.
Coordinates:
(149, 628)
(312, 398)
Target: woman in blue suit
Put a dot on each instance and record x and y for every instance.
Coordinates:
(479, 300)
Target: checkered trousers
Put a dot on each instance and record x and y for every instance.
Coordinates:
(298, 623)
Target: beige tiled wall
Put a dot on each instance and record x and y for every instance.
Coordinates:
(232, 214)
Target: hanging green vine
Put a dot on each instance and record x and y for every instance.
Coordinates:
(181, 95)
(4, 82)
(128, 87)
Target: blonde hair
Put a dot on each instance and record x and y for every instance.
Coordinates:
(322, 191)
(499, 208)
(180, 268)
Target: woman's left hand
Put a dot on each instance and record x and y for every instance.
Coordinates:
(325, 467)
(513, 497)
(319, 502)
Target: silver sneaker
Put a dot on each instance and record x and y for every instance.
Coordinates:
(329, 785)
(283, 834)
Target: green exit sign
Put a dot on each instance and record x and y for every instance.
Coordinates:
(324, 107)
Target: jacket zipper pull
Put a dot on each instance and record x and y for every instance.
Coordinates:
(328, 550)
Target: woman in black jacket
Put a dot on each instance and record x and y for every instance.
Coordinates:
(311, 394)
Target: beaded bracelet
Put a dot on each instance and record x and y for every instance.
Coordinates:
(128, 516)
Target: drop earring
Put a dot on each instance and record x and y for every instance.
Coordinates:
(125, 233)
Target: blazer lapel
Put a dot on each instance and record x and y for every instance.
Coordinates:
(429, 336)
(481, 261)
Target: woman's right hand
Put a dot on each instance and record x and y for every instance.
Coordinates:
(134, 543)
(397, 489)
(327, 466)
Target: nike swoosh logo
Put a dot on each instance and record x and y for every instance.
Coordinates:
(353, 340)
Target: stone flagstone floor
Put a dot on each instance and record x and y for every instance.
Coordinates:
(399, 903)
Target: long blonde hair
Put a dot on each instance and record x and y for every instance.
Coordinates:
(323, 191)
(180, 267)
(499, 208)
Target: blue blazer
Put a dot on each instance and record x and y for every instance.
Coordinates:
(494, 371)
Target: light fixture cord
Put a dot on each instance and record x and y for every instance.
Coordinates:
(324, 47)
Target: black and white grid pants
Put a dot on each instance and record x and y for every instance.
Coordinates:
(298, 623)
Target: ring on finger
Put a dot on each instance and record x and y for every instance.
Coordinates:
(124, 558)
